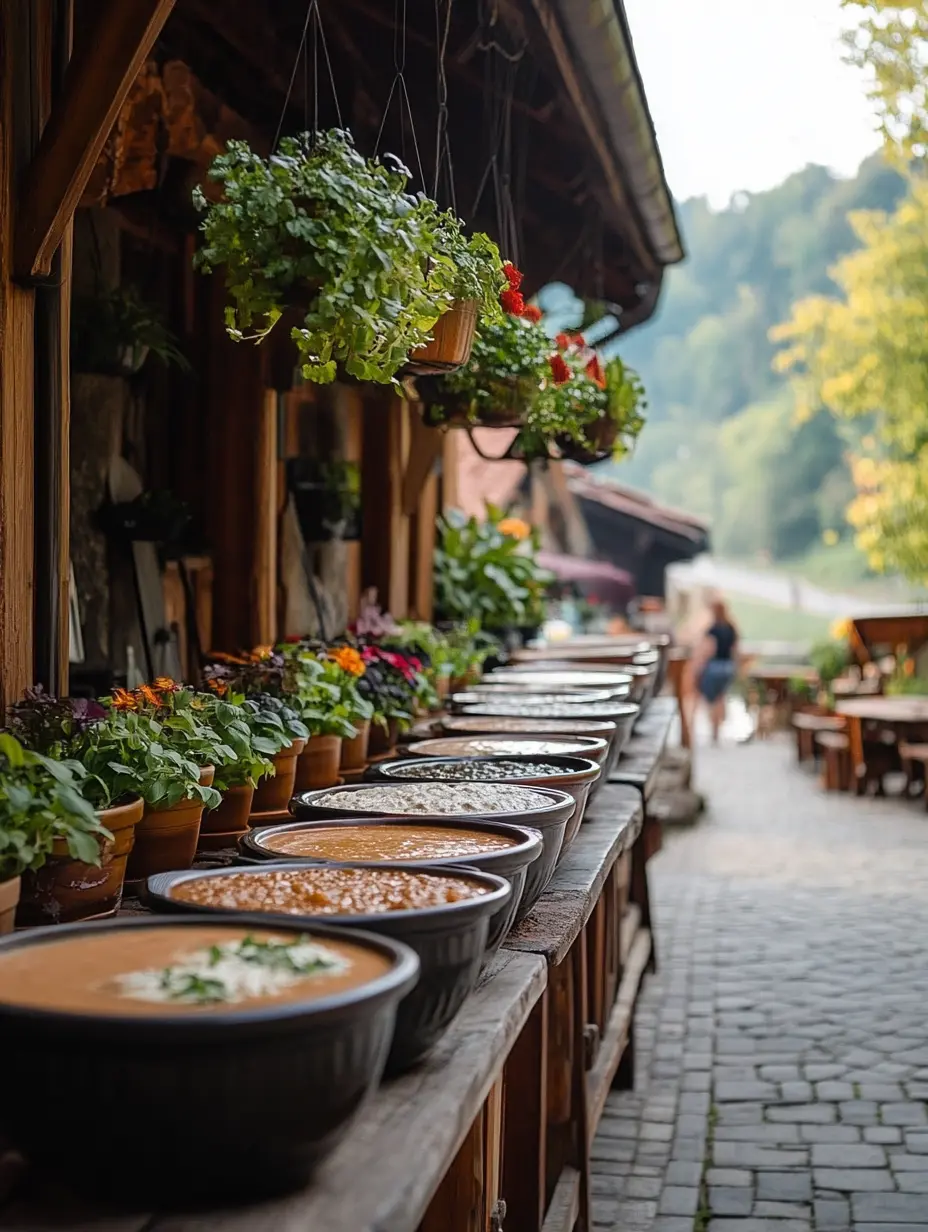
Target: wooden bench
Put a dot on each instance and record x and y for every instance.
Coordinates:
(914, 758)
(807, 726)
(836, 749)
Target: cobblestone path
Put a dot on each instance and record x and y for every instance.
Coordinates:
(783, 1044)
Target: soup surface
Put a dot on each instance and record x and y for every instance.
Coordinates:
(499, 746)
(453, 799)
(468, 770)
(390, 842)
(151, 971)
(327, 891)
(562, 708)
(470, 723)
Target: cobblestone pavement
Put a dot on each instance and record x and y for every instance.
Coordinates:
(783, 1044)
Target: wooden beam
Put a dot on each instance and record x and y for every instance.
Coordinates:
(264, 578)
(98, 79)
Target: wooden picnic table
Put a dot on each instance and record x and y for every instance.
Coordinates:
(505, 1108)
(874, 728)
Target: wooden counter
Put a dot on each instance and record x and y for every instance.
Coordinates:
(501, 1115)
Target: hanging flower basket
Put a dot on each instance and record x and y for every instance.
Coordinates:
(504, 407)
(601, 439)
(450, 346)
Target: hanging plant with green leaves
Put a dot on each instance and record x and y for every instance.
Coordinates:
(319, 228)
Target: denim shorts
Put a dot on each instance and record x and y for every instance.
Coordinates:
(716, 679)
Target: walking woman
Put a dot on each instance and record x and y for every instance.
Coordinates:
(715, 664)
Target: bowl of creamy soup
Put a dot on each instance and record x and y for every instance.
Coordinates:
(198, 1028)
(545, 809)
(443, 913)
(513, 852)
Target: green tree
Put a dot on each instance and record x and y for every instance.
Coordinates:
(889, 43)
(865, 357)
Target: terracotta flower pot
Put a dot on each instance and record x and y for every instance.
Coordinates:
(232, 814)
(9, 897)
(273, 794)
(382, 742)
(442, 687)
(166, 839)
(65, 890)
(354, 751)
(317, 765)
(452, 339)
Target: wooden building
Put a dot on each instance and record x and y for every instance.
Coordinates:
(110, 112)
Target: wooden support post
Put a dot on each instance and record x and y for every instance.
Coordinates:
(105, 65)
(458, 1206)
(524, 1141)
(385, 534)
(264, 576)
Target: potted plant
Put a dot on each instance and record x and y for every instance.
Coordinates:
(67, 889)
(161, 750)
(477, 277)
(487, 570)
(42, 806)
(334, 712)
(602, 404)
(507, 370)
(334, 237)
(242, 730)
(113, 332)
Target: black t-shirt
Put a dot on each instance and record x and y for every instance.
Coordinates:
(725, 638)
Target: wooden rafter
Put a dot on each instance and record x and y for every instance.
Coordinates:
(98, 79)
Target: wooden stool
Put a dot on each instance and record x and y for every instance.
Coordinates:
(836, 749)
(912, 755)
(807, 726)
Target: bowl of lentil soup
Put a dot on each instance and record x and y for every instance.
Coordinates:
(509, 851)
(442, 913)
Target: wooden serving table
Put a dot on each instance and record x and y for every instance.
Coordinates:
(874, 728)
(493, 1131)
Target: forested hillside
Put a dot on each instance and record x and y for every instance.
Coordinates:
(722, 438)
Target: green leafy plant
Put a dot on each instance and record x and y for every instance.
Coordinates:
(325, 696)
(469, 267)
(319, 228)
(830, 659)
(240, 732)
(482, 571)
(275, 721)
(113, 332)
(41, 801)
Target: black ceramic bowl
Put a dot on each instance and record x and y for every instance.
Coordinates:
(574, 680)
(551, 822)
(513, 863)
(575, 775)
(226, 1105)
(460, 703)
(622, 714)
(450, 942)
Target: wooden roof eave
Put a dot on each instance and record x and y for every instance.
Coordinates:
(594, 50)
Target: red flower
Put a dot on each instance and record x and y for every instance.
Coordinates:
(532, 313)
(559, 370)
(513, 276)
(512, 302)
(293, 639)
(565, 341)
(594, 371)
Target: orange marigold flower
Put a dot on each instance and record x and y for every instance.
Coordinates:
(260, 653)
(513, 276)
(560, 373)
(348, 660)
(221, 656)
(219, 687)
(532, 313)
(123, 700)
(166, 684)
(149, 695)
(594, 371)
(512, 302)
(515, 528)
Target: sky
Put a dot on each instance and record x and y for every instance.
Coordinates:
(743, 92)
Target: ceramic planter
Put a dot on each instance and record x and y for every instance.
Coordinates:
(318, 764)
(452, 339)
(167, 838)
(383, 742)
(273, 794)
(231, 817)
(65, 890)
(9, 897)
(354, 751)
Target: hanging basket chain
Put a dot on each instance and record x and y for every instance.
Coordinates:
(398, 87)
(443, 161)
(312, 19)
